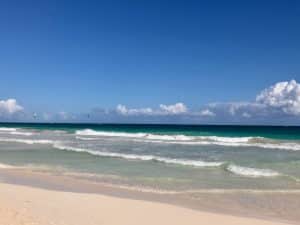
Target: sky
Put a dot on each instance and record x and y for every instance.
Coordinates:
(153, 61)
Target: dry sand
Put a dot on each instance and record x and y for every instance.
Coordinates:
(33, 206)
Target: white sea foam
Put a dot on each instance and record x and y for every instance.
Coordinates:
(14, 131)
(251, 172)
(186, 162)
(27, 141)
(6, 166)
(289, 146)
(169, 137)
(89, 135)
(7, 129)
(87, 138)
(40, 167)
(89, 132)
(259, 142)
(282, 145)
(21, 133)
(227, 139)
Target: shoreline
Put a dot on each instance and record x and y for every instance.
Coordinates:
(237, 205)
(45, 207)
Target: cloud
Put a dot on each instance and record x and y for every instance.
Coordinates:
(207, 112)
(277, 104)
(235, 109)
(122, 109)
(246, 115)
(10, 106)
(281, 100)
(46, 116)
(284, 96)
(178, 108)
(63, 115)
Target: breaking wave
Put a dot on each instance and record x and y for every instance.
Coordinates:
(14, 131)
(185, 162)
(89, 132)
(27, 141)
(6, 166)
(259, 142)
(86, 138)
(7, 129)
(21, 133)
(251, 172)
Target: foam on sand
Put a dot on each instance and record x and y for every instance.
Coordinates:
(6, 166)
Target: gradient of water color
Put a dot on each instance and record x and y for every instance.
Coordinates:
(159, 157)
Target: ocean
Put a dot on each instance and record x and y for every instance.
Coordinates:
(159, 158)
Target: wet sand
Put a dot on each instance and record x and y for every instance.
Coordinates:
(273, 207)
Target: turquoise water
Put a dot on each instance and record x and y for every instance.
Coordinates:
(276, 132)
(159, 157)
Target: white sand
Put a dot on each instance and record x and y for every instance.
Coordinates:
(32, 206)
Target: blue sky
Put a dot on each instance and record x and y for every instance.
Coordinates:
(63, 58)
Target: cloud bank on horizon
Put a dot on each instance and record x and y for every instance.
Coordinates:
(278, 104)
(176, 109)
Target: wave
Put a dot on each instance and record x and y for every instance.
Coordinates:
(38, 167)
(259, 142)
(251, 172)
(21, 133)
(89, 132)
(185, 162)
(7, 129)
(6, 166)
(14, 131)
(27, 141)
(89, 135)
(162, 137)
(228, 139)
(281, 146)
(66, 172)
(86, 138)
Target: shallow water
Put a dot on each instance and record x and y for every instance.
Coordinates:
(158, 157)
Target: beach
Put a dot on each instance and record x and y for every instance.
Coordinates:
(149, 174)
(26, 205)
(30, 197)
(150, 112)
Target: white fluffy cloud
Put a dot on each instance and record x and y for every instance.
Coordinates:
(123, 110)
(279, 102)
(280, 99)
(238, 108)
(246, 115)
(207, 112)
(10, 106)
(284, 96)
(176, 109)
